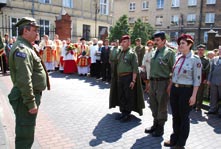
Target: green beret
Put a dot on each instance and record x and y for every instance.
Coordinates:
(201, 46)
(27, 21)
(138, 39)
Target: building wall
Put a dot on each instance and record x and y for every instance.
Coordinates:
(122, 7)
(82, 13)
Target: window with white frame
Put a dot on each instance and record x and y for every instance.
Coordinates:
(160, 4)
(210, 1)
(145, 5)
(205, 37)
(175, 3)
(104, 7)
(45, 1)
(174, 20)
(132, 6)
(192, 34)
(145, 19)
(210, 18)
(159, 20)
(191, 18)
(192, 2)
(68, 3)
(174, 36)
(44, 27)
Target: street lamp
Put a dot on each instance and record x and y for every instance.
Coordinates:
(97, 9)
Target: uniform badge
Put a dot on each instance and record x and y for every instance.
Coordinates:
(21, 54)
(198, 65)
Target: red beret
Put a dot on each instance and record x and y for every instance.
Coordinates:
(124, 37)
(185, 37)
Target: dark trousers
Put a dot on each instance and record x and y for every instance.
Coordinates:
(98, 69)
(3, 63)
(126, 94)
(106, 71)
(179, 100)
(93, 70)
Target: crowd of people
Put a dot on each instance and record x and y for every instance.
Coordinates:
(168, 74)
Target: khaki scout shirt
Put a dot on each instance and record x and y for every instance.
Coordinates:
(161, 66)
(190, 72)
(26, 70)
(127, 61)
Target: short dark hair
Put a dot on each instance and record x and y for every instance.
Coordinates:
(21, 29)
(160, 35)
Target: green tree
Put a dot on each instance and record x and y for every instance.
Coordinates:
(141, 30)
(120, 28)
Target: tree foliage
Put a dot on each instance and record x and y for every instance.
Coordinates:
(120, 28)
(141, 30)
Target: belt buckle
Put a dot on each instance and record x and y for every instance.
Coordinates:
(176, 85)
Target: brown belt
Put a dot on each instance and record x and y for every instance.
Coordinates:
(182, 85)
(124, 74)
(159, 79)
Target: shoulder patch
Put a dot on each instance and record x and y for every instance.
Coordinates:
(21, 54)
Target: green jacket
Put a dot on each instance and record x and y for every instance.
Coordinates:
(27, 72)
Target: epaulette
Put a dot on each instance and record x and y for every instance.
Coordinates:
(21, 45)
(196, 56)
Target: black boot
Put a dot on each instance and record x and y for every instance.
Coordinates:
(152, 128)
(158, 132)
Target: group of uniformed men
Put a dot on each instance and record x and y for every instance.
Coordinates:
(30, 78)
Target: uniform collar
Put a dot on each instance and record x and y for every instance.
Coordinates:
(188, 55)
(26, 42)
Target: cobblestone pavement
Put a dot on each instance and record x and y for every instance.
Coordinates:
(75, 115)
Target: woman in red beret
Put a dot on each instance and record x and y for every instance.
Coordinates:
(186, 79)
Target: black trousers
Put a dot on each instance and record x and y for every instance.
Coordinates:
(106, 71)
(98, 69)
(179, 100)
(3, 63)
(126, 94)
(93, 70)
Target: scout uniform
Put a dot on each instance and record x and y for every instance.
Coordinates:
(186, 77)
(140, 51)
(205, 71)
(29, 79)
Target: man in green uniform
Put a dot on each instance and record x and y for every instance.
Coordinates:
(205, 73)
(160, 72)
(130, 94)
(140, 51)
(29, 79)
(115, 50)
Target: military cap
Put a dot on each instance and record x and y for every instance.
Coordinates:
(185, 37)
(27, 21)
(159, 34)
(124, 37)
(82, 39)
(138, 39)
(201, 46)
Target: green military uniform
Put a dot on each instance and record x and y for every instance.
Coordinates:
(202, 87)
(29, 79)
(160, 70)
(140, 51)
(113, 60)
(128, 100)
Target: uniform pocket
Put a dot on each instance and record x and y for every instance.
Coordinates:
(14, 97)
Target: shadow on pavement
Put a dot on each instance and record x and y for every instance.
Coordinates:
(87, 79)
(214, 122)
(148, 142)
(196, 117)
(110, 130)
